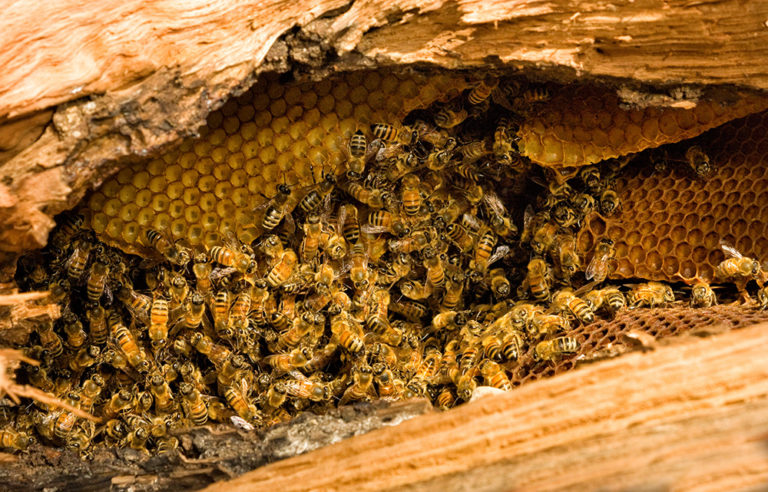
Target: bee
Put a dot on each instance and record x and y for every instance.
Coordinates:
(416, 290)
(563, 215)
(271, 246)
(70, 225)
(410, 310)
(348, 334)
(543, 238)
(97, 279)
(317, 194)
(609, 203)
(609, 298)
(275, 396)
(482, 90)
(389, 386)
(137, 439)
(303, 387)
(466, 385)
(50, 341)
(416, 241)
(702, 295)
(74, 331)
(299, 329)
(492, 344)
(374, 198)
(512, 344)
(202, 270)
(276, 208)
(390, 133)
(336, 246)
(568, 260)
(285, 362)
(454, 289)
(216, 353)
(762, 297)
(410, 194)
(736, 265)
(356, 149)
(484, 250)
(500, 285)
(77, 260)
(178, 289)
(551, 350)
(440, 158)
(192, 316)
(158, 327)
(651, 294)
(358, 262)
(118, 403)
(115, 430)
(433, 263)
(699, 162)
(598, 268)
(538, 280)
(535, 95)
(495, 376)
(193, 404)
(143, 402)
(449, 117)
(543, 325)
(458, 235)
(310, 244)
(84, 358)
(138, 304)
(245, 409)
(565, 301)
(167, 444)
(426, 371)
(349, 223)
(230, 256)
(590, 176)
(282, 269)
(361, 387)
(171, 252)
(162, 393)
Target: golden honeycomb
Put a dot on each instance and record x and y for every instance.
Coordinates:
(584, 125)
(275, 133)
(610, 337)
(672, 222)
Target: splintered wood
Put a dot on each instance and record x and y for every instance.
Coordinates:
(683, 416)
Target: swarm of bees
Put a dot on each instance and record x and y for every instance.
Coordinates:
(438, 260)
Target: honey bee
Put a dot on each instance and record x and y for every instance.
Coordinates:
(81, 251)
(609, 203)
(348, 334)
(358, 265)
(699, 162)
(458, 235)
(543, 238)
(74, 331)
(500, 285)
(374, 198)
(512, 344)
(317, 193)
(310, 244)
(416, 241)
(232, 257)
(564, 216)
(115, 430)
(702, 295)
(598, 268)
(192, 404)
(449, 116)
(299, 329)
(202, 270)
(484, 250)
(440, 158)
(736, 265)
(50, 341)
(276, 208)
(336, 246)
(245, 409)
(238, 315)
(454, 289)
(590, 176)
(97, 279)
(178, 289)
(170, 251)
(568, 260)
(410, 310)
(69, 226)
(608, 298)
(762, 297)
(390, 133)
(275, 396)
(565, 301)
(492, 344)
(411, 195)
(286, 362)
(538, 280)
(551, 350)
(349, 223)
(651, 294)
(389, 386)
(495, 376)
(271, 246)
(356, 149)
(535, 95)
(162, 393)
(482, 90)
(447, 320)
(446, 399)
(158, 328)
(167, 444)
(118, 403)
(84, 358)
(361, 387)
(192, 316)
(282, 269)
(427, 370)
(466, 385)
(215, 352)
(543, 325)
(220, 311)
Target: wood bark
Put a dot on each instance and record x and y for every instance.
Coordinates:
(686, 416)
(86, 86)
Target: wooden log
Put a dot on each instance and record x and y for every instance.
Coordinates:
(687, 415)
(96, 82)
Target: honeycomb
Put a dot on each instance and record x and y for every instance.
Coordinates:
(672, 222)
(583, 125)
(275, 133)
(609, 337)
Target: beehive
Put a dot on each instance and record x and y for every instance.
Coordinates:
(672, 222)
(584, 125)
(275, 133)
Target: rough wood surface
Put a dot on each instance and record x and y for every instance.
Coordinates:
(90, 83)
(689, 415)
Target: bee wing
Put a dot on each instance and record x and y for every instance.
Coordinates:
(594, 268)
(342, 217)
(219, 273)
(730, 250)
(501, 251)
(494, 203)
(585, 288)
(372, 229)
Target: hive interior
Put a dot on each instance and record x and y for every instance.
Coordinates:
(438, 327)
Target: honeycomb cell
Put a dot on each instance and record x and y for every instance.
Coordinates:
(665, 246)
(677, 217)
(695, 236)
(683, 250)
(670, 266)
(715, 257)
(637, 255)
(723, 227)
(678, 234)
(654, 260)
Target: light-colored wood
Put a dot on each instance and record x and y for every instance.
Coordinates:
(685, 416)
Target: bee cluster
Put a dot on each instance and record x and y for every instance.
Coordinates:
(437, 260)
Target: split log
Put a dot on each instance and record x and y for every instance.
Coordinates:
(688, 415)
(89, 84)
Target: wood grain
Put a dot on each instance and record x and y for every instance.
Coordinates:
(688, 415)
